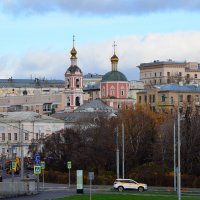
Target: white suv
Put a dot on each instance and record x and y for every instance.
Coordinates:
(129, 184)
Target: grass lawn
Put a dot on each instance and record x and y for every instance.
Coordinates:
(126, 197)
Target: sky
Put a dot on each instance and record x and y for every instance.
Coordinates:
(36, 36)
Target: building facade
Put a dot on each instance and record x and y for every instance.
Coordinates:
(73, 84)
(166, 98)
(115, 88)
(165, 72)
(24, 129)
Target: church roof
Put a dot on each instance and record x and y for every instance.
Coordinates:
(114, 76)
(73, 68)
(96, 105)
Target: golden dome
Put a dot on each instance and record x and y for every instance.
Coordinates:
(73, 53)
(114, 58)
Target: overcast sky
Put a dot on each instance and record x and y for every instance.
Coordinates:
(36, 35)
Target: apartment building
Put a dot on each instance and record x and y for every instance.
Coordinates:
(165, 72)
(166, 98)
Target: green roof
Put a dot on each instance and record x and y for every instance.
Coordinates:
(114, 76)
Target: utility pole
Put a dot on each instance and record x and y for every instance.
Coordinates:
(117, 152)
(174, 156)
(179, 155)
(122, 150)
(21, 131)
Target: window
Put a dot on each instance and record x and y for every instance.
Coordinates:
(180, 74)
(188, 98)
(172, 100)
(77, 83)
(15, 136)
(160, 81)
(195, 76)
(188, 76)
(180, 98)
(168, 73)
(112, 91)
(103, 92)
(77, 100)
(153, 98)
(160, 73)
(26, 136)
(154, 81)
(145, 99)
(122, 90)
(155, 74)
(47, 107)
(9, 136)
(163, 98)
(196, 98)
(68, 101)
(68, 83)
(3, 137)
(140, 99)
(150, 98)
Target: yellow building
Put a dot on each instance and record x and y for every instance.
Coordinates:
(167, 97)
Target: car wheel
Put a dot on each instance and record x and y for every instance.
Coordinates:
(140, 189)
(120, 188)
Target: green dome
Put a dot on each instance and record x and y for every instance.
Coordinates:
(114, 76)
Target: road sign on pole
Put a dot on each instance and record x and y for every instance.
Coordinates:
(91, 177)
(13, 165)
(69, 164)
(37, 169)
(42, 163)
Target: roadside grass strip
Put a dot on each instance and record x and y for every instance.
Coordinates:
(133, 196)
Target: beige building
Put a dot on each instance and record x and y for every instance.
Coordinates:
(167, 97)
(164, 72)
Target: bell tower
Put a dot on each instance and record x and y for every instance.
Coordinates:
(73, 83)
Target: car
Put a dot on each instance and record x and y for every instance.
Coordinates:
(129, 184)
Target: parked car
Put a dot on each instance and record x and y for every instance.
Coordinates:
(129, 184)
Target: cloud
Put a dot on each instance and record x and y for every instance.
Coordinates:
(108, 7)
(95, 57)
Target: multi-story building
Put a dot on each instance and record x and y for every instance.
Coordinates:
(41, 96)
(168, 97)
(165, 72)
(23, 129)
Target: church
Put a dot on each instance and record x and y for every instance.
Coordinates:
(114, 86)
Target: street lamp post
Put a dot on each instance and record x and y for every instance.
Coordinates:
(174, 156)
(179, 162)
(122, 150)
(117, 152)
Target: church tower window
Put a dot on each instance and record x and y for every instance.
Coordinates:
(77, 101)
(77, 83)
(112, 91)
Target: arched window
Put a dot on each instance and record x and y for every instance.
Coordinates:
(77, 101)
(77, 83)
(122, 91)
(112, 91)
(103, 91)
(68, 83)
(68, 101)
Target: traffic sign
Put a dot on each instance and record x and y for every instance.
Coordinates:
(37, 159)
(69, 164)
(42, 163)
(91, 175)
(13, 165)
(37, 169)
(37, 156)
